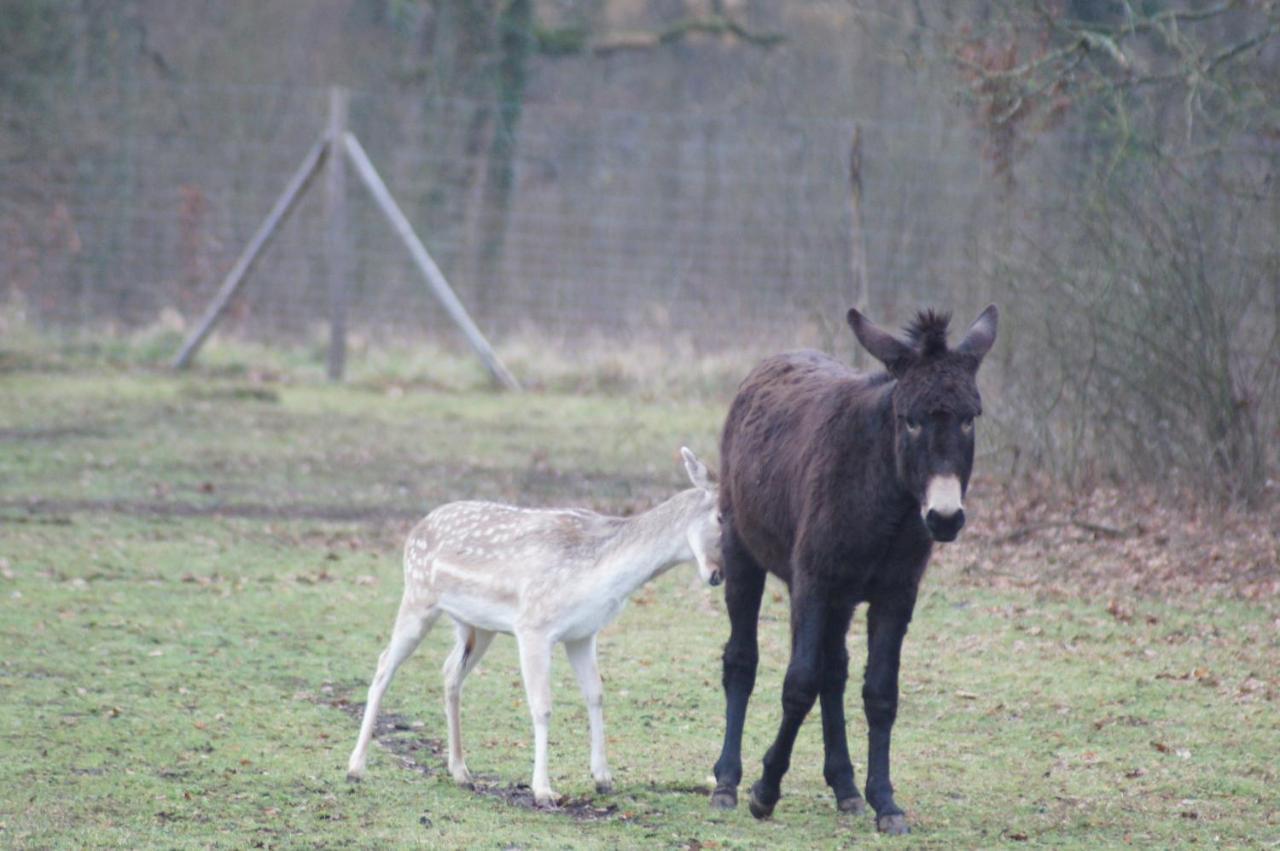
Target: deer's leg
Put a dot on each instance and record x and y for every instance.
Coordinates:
(535, 666)
(412, 623)
(887, 621)
(582, 656)
(467, 651)
(809, 614)
(743, 588)
(837, 767)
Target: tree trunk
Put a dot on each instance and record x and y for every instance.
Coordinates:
(515, 43)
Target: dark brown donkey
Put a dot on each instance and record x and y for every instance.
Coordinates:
(839, 482)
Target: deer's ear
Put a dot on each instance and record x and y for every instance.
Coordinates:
(882, 345)
(981, 334)
(696, 469)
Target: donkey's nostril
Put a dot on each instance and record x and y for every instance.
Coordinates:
(944, 527)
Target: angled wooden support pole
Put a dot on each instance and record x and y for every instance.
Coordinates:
(430, 271)
(284, 204)
(336, 255)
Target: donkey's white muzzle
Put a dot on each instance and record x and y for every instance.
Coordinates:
(943, 508)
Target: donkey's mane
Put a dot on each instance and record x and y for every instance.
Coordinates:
(928, 332)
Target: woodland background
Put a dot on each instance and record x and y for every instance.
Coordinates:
(672, 178)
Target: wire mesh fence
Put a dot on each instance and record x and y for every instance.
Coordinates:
(660, 236)
(724, 227)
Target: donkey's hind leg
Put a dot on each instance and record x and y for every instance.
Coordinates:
(470, 646)
(412, 624)
(743, 588)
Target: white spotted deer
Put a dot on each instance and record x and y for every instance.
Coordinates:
(546, 576)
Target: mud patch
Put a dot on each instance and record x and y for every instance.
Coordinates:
(579, 809)
(702, 789)
(399, 735)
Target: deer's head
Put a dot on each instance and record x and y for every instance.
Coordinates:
(703, 531)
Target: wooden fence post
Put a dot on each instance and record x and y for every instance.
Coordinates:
(284, 204)
(857, 236)
(430, 271)
(331, 144)
(336, 254)
(857, 233)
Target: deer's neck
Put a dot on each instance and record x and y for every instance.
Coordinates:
(650, 543)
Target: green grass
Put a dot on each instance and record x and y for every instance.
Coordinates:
(196, 572)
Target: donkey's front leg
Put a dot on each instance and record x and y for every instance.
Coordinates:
(837, 768)
(582, 656)
(886, 627)
(535, 666)
(799, 691)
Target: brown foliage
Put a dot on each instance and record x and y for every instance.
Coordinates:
(1115, 543)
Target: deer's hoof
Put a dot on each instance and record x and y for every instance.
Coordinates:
(894, 824)
(760, 807)
(856, 805)
(724, 798)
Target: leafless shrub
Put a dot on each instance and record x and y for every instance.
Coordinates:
(1159, 353)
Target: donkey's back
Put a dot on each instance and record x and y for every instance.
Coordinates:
(800, 419)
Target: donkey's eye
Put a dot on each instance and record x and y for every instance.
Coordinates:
(913, 426)
(966, 425)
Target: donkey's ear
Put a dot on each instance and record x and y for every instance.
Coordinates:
(981, 334)
(696, 469)
(882, 345)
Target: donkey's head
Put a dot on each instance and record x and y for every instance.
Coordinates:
(703, 532)
(934, 403)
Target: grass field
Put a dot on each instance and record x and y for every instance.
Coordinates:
(197, 574)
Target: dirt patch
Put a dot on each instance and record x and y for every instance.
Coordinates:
(399, 735)
(579, 809)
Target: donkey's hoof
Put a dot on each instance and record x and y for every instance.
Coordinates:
(724, 798)
(604, 787)
(355, 776)
(894, 824)
(856, 805)
(757, 803)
